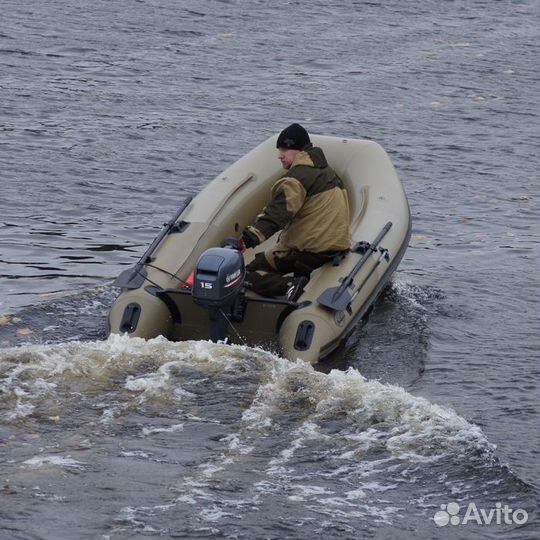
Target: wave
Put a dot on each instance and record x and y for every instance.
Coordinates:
(369, 414)
(252, 431)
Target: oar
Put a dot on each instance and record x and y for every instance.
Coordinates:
(134, 277)
(339, 298)
(384, 256)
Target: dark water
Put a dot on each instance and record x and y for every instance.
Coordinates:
(110, 114)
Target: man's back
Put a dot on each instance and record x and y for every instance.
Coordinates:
(321, 222)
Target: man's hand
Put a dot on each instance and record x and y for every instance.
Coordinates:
(234, 243)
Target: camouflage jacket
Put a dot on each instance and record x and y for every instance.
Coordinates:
(309, 205)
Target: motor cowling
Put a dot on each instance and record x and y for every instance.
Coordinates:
(219, 277)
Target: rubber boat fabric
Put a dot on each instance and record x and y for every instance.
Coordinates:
(316, 316)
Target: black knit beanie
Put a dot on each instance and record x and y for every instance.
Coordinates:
(294, 137)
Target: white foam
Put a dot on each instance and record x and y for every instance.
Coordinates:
(214, 514)
(408, 291)
(21, 409)
(410, 422)
(136, 454)
(365, 490)
(155, 383)
(235, 444)
(169, 429)
(208, 470)
(107, 416)
(303, 492)
(186, 499)
(59, 461)
(308, 430)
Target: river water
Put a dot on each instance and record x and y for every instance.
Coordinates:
(110, 114)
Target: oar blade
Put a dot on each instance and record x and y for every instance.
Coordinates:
(331, 300)
(132, 278)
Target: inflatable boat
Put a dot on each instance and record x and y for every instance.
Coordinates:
(186, 288)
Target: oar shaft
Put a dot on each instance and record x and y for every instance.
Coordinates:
(371, 249)
(383, 256)
(164, 231)
(135, 276)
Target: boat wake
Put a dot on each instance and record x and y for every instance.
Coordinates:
(232, 433)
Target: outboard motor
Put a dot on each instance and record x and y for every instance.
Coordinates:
(219, 287)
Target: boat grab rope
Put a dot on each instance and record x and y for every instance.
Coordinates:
(244, 342)
(184, 282)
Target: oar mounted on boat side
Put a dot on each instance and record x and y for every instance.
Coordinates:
(340, 298)
(134, 277)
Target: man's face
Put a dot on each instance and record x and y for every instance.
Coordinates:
(286, 156)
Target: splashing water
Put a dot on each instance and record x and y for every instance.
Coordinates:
(233, 432)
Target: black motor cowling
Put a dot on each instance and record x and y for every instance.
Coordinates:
(218, 285)
(219, 277)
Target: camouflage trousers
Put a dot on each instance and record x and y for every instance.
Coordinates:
(267, 273)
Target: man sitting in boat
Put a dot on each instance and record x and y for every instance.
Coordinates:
(310, 206)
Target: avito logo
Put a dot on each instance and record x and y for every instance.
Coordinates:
(449, 514)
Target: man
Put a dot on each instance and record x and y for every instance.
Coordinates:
(309, 205)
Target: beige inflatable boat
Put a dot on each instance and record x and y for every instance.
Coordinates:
(155, 299)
